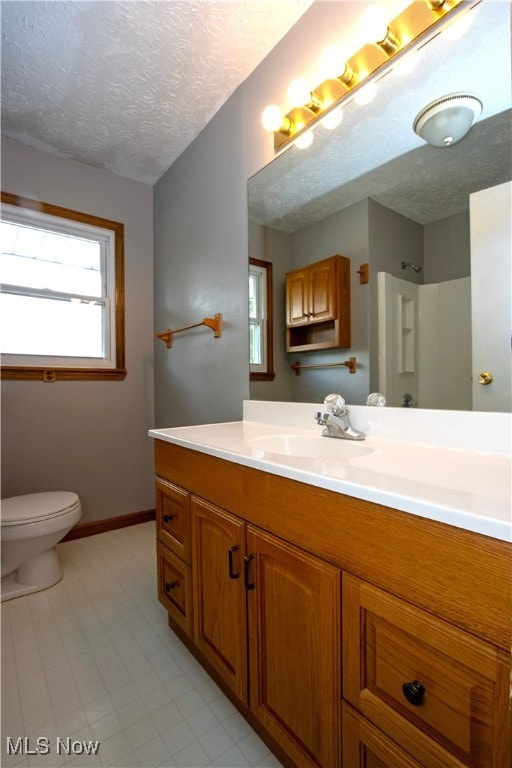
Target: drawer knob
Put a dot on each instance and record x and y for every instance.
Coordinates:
(414, 692)
(171, 585)
(168, 518)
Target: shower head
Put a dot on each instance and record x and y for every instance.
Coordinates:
(405, 264)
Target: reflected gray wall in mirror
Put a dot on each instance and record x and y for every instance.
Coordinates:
(374, 191)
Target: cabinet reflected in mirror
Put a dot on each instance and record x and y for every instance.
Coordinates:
(374, 192)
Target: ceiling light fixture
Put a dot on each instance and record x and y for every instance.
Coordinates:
(389, 43)
(448, 119)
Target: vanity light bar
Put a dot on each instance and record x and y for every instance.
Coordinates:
(419, 22)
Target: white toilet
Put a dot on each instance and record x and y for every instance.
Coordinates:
(31, 527)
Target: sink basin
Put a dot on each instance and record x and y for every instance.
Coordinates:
(310, 446)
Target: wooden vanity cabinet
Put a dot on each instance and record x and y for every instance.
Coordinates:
(320, 674)
(267, 618)
(318, 305)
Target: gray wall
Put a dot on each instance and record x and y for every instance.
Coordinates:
(272, 245)
(201, 268)
(394, 238)
(346, 233)
(87, 436)
(447, 249)
(365, 232)
(201, 231)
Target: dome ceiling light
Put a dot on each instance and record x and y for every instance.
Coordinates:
(448, 119)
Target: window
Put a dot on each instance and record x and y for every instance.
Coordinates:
(261, 363)
(62, 293)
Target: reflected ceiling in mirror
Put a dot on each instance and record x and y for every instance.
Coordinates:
(301, 187)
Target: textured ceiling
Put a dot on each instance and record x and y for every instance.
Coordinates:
(375, 152)
(126, 86)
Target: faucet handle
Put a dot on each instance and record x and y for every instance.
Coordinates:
(376, 399)
(335, 404)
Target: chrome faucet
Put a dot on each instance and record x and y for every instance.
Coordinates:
(335, 420)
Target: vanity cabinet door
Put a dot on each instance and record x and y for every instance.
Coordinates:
(294, 654)
(438, 692)
(297, 297)
(220, 622)
(323, 284)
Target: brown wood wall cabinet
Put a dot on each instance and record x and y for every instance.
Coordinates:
(349, 634)
(318, 305)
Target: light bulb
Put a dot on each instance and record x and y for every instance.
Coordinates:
(375, 23)
(299, 92)
(305, 140)
(333, 62)
(333, 119)
(366, 94)
(272, 118)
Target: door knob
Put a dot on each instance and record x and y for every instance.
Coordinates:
(485, 377)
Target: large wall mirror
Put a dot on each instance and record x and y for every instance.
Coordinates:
(373, 191)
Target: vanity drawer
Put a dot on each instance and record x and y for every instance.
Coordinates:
(173, 518)
(364, 746)
(435, 690)
(174, 587)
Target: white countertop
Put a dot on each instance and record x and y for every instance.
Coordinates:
(469, 489)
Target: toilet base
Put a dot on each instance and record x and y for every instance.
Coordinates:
(40, 572)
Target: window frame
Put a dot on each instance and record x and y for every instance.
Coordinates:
(89, 372)
(266, 373)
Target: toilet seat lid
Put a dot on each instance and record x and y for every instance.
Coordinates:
(34, 506)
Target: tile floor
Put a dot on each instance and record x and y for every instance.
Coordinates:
(93, 659)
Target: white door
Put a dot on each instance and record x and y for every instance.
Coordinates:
(491, 294)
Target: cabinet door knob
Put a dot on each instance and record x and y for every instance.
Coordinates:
(414, 692)
(171, 585)
(168, 518)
